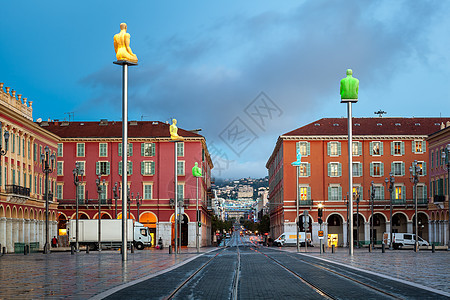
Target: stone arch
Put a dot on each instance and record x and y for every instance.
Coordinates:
(422, 224)
(20, 213)
(299, 220)
(2, 211)
(379, 226)
(62, 221)
(14, 212)
(40, 215)
(335, 226)
(32, 214)
(26, 214)
(399, 222)
(8, 212)
(148, 219)
(53, 218)
(131, 216)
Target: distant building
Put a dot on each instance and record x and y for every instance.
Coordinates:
(380, 146)
(439, 200)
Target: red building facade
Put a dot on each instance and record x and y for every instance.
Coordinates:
(96, 148)
(380, 146)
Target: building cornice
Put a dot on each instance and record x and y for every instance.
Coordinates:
(355, 137)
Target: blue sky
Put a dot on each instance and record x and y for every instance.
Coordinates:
(254, 68)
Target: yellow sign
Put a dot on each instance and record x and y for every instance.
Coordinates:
(333, 240)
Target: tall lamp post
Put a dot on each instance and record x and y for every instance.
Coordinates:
(320, 214)
(100, 186)
(390, 188)
(297, 164)
(356, 197)
(6, 135)
(414, 171)
(349, 88)
(197, 173)
(372, 198)
(446, 158)
(138, 204)
(115, 200)
(48, 162)
(77, 174)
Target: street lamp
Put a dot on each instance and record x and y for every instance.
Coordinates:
(445, 157)
(138, 204)
(297, 164)
(390, 188)
(356, 197)
(115, 199)
(320, 214)
(48, 162)
(6, 135)
(99, 182)
(372, 198)
(414, 172)
(130, 198)
(77, 173)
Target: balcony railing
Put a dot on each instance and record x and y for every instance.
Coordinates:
(17, 190)
(439, 198)
(182, 202)
(305, 202)
(70, 202)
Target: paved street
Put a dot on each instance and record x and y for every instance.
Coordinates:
(61, 275)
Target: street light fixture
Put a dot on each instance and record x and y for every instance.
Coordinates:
(77, 173)
(138, 204)
(100, 186)
(320, 214)
(446, 158)
(372, 198)
(390, 181)
(115, 199)
(356, 197)
(48, 162)
(6, 135)
(414, 172)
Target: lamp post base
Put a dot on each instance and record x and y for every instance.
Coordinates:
(46, 248)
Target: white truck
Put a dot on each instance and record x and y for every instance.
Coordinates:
(403, 239)
(111, 233)
(290, 238)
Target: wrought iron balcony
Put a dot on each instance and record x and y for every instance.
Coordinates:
(439, 198)
(305, 202)
(17, 190)
(182, 202)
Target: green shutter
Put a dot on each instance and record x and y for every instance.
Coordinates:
(120, 168)
(340, 193)
(152, 168)
(309, 192)
(382, 193)
(107, 168)
(308, 148)
(329, 169)
(393, 168)
(142, 149)
(297, 146)
(371, 167)
(119, 149)
(413, 145)
(392, 148)
(152, 149)
(424, 146)
(130, 168)
(97, 168)
(130, 149)
(339, 169)
(308, 170)
(403, 168)
(381, 148)
(329, 193)
(360, 169)
(381, 169)
(403, 192)
(402, 147)
(142, 167)
(424, 168)
(339, 148)
(328, 151)
(425, 194)
(359, 148)
(371, 148)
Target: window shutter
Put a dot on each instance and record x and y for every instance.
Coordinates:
(130, 168)
(371, 148)
(329, 193)
(393, 168)
(424, 146)
(339, 148)
(371, 167)
(340, 193)
(107, 168)
(309, 193)
(142, 149)
(119, 149)
(142, 168)
(382, 169)
(424, 168)
(152, 167)
(425, 195)
(339, 169)
(403, 192)
(329, 169)
(97, 168)
(403, 168)
(413, 145)
(308, 170)
(152, 149)
(130, 149)
(308, 148)
(402, 146)
(297, 146)
(360, 169)
(381, 148)
(328, 150)
(120, 168)
(392, 148)
(414, 192)
(359, 148)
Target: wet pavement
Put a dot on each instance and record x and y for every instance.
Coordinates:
(424, 267)
(80, 276)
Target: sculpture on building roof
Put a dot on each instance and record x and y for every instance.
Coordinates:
(349, 86)
(174, 131)
(122, 45)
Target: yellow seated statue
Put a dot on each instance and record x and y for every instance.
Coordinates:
(122, 45)
(174, 131)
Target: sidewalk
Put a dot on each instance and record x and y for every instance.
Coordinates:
(80, 276)
(424, 267)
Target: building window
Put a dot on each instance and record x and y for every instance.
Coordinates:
(398, 168)
(376, 169)
(334, 169)
(357, 169)
(80, 192)
(80, 149)
(23, 147)
(379, 192)
(59, 191)
(356, 148)
(147, 191)
(423, 168)
(399, 192)
(304, 170)
(81, 165)
(180, 148)
(304, 193)
(103, 149)
(102, 168)
(376, 148)
(180, 192)
(419, 147)
(304, 148)
(421, 192)
(432, 159)
(397, 148)
(130, 149)
(334, 193)
(29, 149)
(180, 168)
(148, 149)
(59, 168)
(148, 168)
(60, 150)
(334, 148)
(130, 168)
(103, 193)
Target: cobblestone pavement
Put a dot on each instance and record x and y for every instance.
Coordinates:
(424, 267)
(80, 276)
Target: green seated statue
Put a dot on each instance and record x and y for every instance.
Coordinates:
(349, 86)
(196, 171)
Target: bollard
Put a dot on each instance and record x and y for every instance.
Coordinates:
(370, 247)
(332, 248)
(323, 248)
(24, 250)
(3, 250)
(132, 248)
(72, 251)
(433, 248)
(87, 249)
(28, 249)
(170, 249)
(383, 248)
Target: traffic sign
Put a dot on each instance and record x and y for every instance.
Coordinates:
(321, 234)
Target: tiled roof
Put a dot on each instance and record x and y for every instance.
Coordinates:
(370, 126)
(113, 129)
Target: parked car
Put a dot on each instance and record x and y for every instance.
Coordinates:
(403, 239)
(290, 239)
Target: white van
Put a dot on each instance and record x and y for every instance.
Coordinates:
(403, 239)
(290, 239)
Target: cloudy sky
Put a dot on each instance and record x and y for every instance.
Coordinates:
(243, 71)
